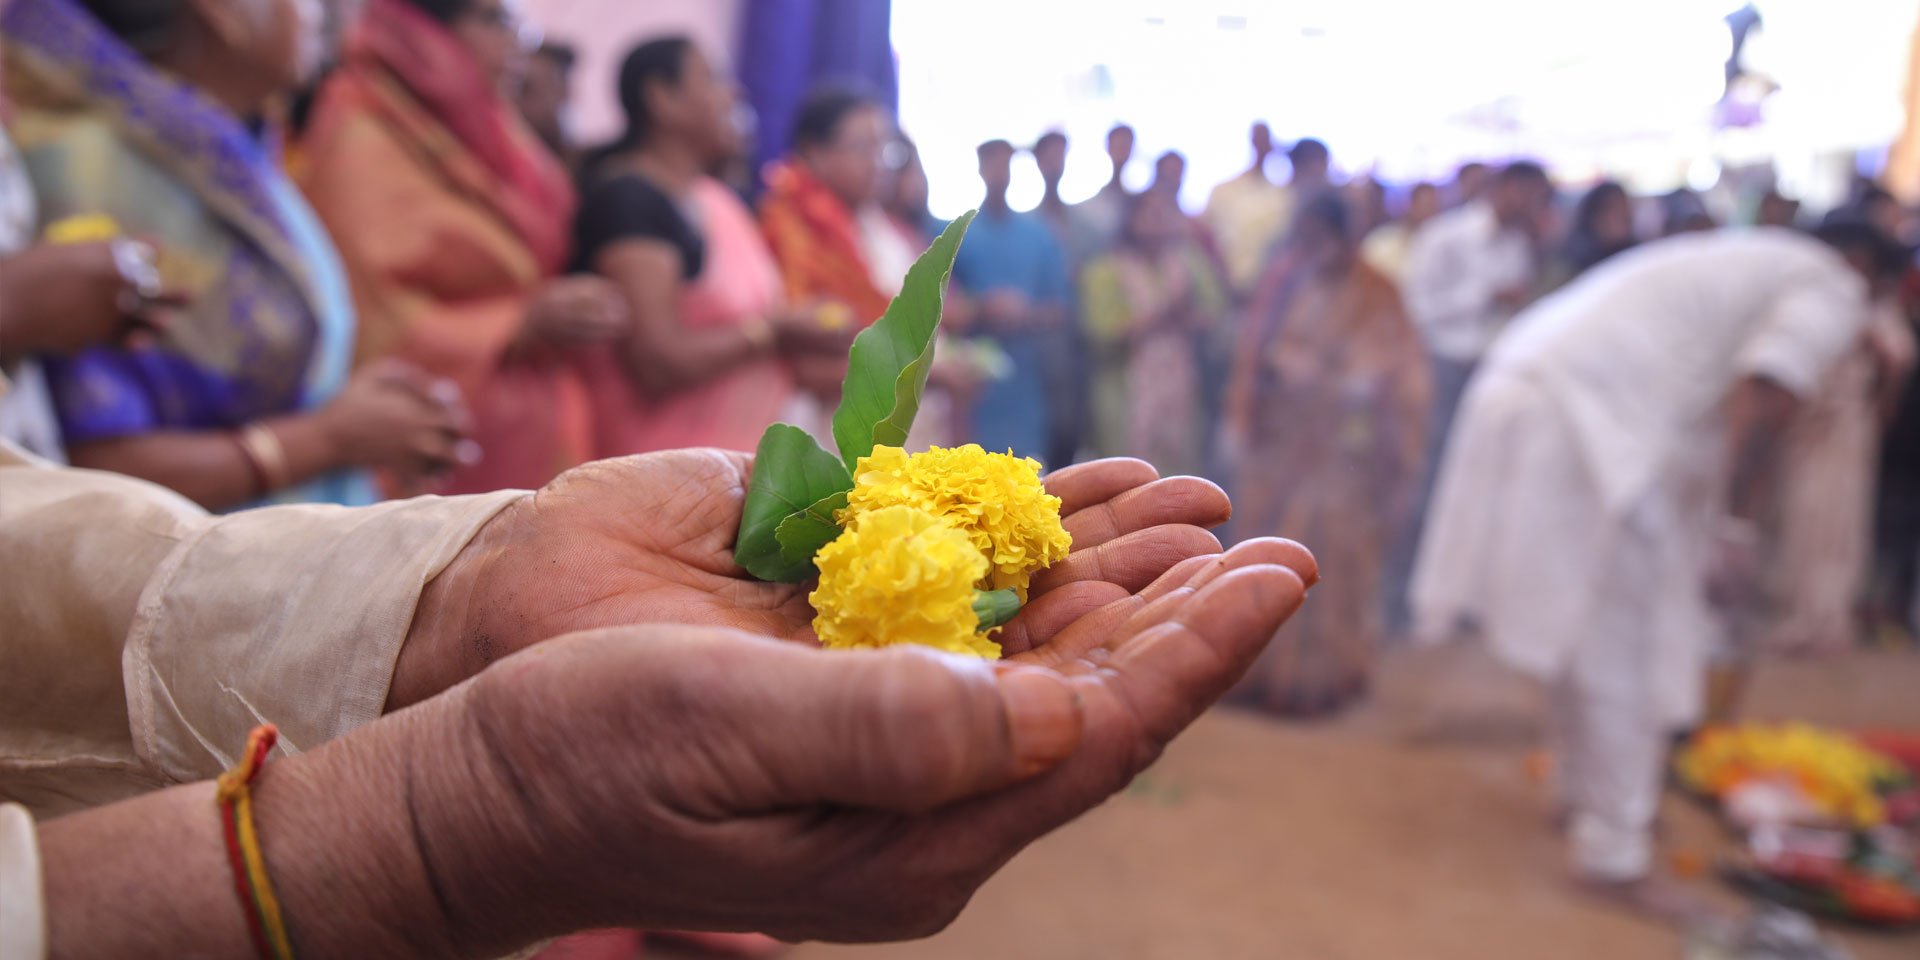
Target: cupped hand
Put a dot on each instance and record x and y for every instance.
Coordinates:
(697, 778)
(649, 539)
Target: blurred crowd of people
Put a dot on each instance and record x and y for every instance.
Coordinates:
(375, 265)
(273, 266)
(253, 264)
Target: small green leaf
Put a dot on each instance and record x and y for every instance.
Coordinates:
(887, 370)
(995, 607)
(803, 534)
(791, 472)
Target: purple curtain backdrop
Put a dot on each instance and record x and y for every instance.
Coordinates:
(790, 47)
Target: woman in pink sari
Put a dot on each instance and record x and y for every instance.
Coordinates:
(713, 352)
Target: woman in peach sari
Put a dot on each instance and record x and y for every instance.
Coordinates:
(453, 220)
(710, 359)
(1326, 421)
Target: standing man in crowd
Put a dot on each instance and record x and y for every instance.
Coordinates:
(1104, 210)
(1247, 215)
(1015, 270)
(1312, 166)
(1386, 248)
(1066, 353)
(1050, 156)
(1469, 271)
(1602, 494)
(1469, 184)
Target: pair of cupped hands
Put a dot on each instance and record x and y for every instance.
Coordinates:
(677, 752)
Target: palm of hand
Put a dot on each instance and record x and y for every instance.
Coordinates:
(638, 540)
(649, 539)
(1146, 622)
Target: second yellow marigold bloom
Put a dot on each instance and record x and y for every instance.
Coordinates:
(997, 499)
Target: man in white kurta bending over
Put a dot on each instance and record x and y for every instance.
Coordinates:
(1599, 496)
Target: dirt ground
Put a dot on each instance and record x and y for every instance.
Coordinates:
(1408, 831)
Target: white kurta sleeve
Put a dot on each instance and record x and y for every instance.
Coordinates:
(142, 638)
(23, 914)
(1805, 330)
(287, 615)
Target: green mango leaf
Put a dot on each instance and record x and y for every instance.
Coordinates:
(887, 370)
(803, 534)
(995, 607)
(791, 472)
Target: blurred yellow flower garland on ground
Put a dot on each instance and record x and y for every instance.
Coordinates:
(922, 534)
(1839, 775)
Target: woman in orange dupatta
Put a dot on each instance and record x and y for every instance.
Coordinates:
(1326, 419)
(836, 243)
(453, 219)
(709, 361)
(821, 211)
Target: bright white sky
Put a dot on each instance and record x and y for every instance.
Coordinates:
(1405, 87)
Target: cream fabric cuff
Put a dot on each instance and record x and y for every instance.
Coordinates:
(23, 916)
(285, 615)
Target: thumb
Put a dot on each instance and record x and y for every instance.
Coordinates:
(907, 728)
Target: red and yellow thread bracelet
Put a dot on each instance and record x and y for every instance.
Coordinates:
(235, 798)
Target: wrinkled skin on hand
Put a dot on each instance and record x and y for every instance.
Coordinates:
(649, 539)
(704, 778)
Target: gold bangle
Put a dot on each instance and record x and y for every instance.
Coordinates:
(759, 335)
(268, 454)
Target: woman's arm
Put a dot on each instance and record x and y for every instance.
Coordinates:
(210, 467)
(390, 415)
(663, 354)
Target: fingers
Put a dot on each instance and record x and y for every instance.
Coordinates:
(443, 405)
(902, 729)
(1176, 576)
(1150, 689)
(1187, 500)
(1085, 484)
(1172, 672)
(1269, 550)
(1133, 561)
(1168, 596)
(1046, 615)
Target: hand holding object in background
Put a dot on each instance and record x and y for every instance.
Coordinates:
(394, 416)
(62, 298)
(575, 310)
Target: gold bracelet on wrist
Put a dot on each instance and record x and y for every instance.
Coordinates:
(760, 336)
(267, 454)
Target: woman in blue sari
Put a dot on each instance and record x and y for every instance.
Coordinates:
(136, 117)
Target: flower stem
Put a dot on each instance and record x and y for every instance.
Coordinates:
(995, 607)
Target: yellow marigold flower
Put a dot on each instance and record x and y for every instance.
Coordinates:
(900, 575)
(995, 498)
(1835, 771)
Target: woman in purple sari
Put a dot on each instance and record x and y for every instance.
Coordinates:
(138, 117)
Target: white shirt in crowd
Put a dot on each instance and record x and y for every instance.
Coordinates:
(1456, 264)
